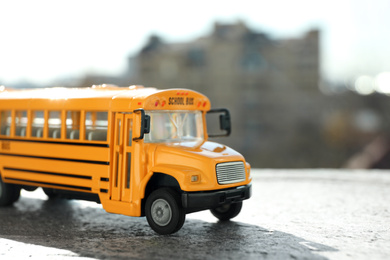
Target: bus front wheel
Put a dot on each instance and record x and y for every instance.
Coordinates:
(227, 212)
(9, 193)
(164, 212)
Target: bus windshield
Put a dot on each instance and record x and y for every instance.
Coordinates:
(177, 126)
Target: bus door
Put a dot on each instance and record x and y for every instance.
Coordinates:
(123, 157)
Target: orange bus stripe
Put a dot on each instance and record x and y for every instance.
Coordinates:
(52, 184)
(54, 158)
(55, 142)
(50, 173)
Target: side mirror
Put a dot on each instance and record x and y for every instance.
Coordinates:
(145, 124)
(224, 121)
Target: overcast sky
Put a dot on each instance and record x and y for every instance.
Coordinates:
(43, 40)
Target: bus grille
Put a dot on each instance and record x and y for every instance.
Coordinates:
(230, 172)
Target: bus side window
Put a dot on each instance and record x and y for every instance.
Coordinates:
(38, 122)
(5, 121)
(20, 123)
(96, 124)
(54, 124)
(73, 125)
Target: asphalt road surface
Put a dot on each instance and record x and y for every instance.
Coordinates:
(293, 214)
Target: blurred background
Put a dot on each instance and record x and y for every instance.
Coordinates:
(307, 82)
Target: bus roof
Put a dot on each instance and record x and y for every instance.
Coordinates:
(100, 91)
(137, 96)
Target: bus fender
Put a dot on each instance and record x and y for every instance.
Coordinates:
(176, 176)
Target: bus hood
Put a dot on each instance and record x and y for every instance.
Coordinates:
(193, 155)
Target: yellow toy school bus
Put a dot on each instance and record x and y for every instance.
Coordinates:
(137, 151)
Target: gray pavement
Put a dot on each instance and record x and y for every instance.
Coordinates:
(293, 214)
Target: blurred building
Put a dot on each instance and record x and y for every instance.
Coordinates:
(270, 86)
(280, 116)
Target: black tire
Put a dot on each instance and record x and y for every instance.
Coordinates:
(29, 188)
(16, 193)
(227, 212)
(9, 193)
(50, 193)
(164, 212)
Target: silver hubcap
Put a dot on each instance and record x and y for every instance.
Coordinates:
(161, 212)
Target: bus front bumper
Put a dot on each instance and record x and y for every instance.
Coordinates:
(214, 199)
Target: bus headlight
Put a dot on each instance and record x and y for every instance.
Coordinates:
(195, 178)
(248, 170)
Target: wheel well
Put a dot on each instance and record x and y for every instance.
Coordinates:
(159, 180)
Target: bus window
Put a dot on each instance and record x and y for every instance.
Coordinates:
(54, 124)
(73, 125)
(130, 129)
(128, 155)
(96, 124)
(175, 126)
(20, 123)
(38, 122)
(5, 123)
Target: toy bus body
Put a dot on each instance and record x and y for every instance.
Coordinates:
(118, 146)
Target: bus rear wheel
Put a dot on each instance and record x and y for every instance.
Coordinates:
(227, 212)
(50, 193)
(9, 193)
(164, 212)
